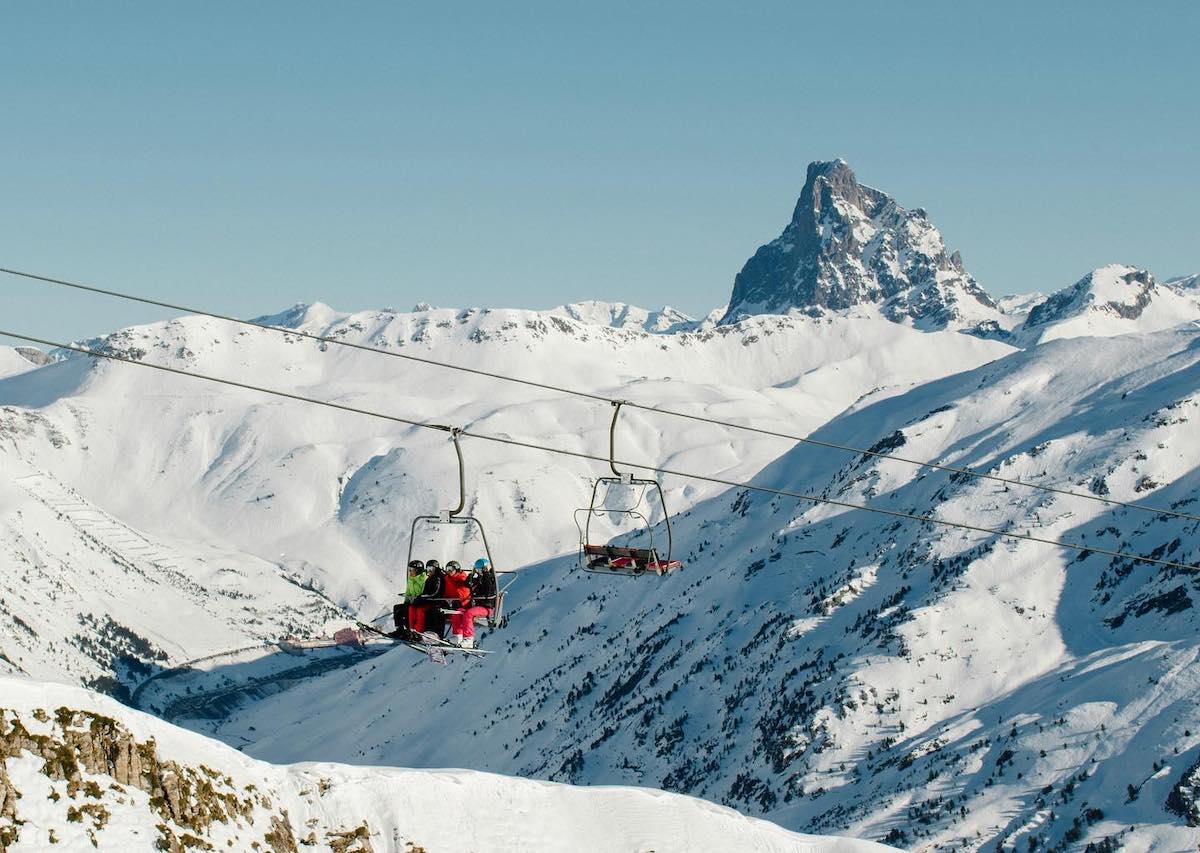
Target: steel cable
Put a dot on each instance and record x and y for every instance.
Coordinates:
(593, 458)
(326, 339)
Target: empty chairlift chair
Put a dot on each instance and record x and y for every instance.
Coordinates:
(611, 558)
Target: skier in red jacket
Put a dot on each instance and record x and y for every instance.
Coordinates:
(458, 598)
(462, 623)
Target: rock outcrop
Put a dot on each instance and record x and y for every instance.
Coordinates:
(77, 747)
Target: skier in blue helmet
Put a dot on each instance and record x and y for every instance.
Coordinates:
(482, 584)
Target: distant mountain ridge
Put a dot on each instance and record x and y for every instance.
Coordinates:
(591, 312)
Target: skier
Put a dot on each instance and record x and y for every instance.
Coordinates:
(458, 597)
(413, 588)
(425, 613)
(481, 598)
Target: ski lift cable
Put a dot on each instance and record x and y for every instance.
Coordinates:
(325, 339)
(816, 499)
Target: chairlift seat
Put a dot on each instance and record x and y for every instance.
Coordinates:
(619, 552)
(624, 560)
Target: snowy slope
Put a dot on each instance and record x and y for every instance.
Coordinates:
(89, 598)
(81, 772)
(833, 670)
(246, 497)
(840, 671)
(12, 362)
(1112, 300)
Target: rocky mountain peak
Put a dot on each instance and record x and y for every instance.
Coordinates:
(849, 244)
(834, 175)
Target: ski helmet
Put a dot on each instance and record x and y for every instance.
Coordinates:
(416, 566)
(481, 564)
(453, 566)
(433, 564)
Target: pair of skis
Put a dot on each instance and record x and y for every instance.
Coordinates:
(429, 644)
(436, 648)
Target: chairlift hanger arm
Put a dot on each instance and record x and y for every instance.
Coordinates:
(462, 477)
(612, 442)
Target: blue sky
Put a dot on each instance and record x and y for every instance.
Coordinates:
(248, 156)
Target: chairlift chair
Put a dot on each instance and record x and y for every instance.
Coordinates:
(612, 559)
(454, 517)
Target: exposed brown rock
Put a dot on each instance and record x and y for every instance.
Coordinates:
(192, 799)
(357, 840)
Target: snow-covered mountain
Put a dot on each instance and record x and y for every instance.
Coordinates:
(1184, 283)
(827, 668)
(1016, 307)
(741, 679)
(324, 497)
(849, 245)
(81, 772)
(622, 316)
(840, 671)
(1112, 300)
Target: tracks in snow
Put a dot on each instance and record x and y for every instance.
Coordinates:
(116, 536)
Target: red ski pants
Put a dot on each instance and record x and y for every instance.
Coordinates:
(416, 616)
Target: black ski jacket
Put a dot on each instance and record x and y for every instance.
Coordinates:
(434, 584)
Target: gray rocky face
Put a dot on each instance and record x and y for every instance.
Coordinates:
(35, 356)
(849, 244)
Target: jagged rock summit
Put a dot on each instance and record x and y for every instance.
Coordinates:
(850, 245)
